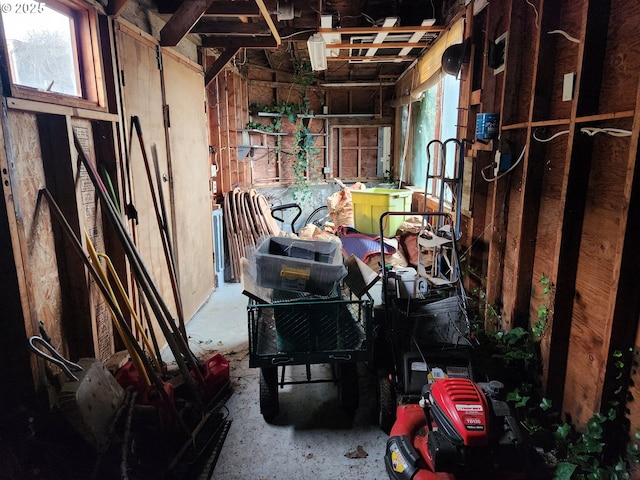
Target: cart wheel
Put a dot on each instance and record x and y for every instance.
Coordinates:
(269, 393)
(386, 404)
(349, 391)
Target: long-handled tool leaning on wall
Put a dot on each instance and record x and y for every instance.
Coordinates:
(121, 323)
(175, 340)
(161, 217)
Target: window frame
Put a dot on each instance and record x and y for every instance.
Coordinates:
(418, 155)
(89, 73)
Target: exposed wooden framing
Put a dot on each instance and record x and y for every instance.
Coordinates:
(181, 22)
(15, 219)
(374, 46)
(239, 42)
(114, 7)
(223, 9)
(52, 108)
(210, 27)
(380, 58)
(525, 219)
(266, 83)
(380, 36)
(375, 30)
(498, 190)
(269, 20)
(224, 58)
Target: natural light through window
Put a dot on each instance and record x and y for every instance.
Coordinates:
(42, 47)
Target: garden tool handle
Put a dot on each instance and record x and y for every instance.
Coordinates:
(54, 357)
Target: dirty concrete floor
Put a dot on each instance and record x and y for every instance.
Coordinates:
(311, 437)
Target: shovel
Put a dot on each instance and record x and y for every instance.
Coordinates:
(91, 397)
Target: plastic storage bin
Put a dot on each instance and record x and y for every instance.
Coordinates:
(312, 266)
(370, 204)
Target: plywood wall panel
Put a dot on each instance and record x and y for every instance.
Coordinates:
(90, 221)
(339, 101)
(46, 291)
(142, 97)
(349, 164)
(190, 205)
(549, 217)
(622, 58)
(596, 279)
(565, 61)
(369, 163)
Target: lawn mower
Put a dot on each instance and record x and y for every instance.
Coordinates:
(425, 332)
(460, 429)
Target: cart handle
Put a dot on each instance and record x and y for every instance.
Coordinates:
(281, 361)
(340, 357)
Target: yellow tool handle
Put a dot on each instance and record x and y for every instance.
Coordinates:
(293, 272)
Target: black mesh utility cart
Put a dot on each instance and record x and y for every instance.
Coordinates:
(296, 328)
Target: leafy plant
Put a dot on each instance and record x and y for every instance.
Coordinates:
(591, 454)
(304, 152)
(548, 292)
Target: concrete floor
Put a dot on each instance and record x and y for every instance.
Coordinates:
(311, 437)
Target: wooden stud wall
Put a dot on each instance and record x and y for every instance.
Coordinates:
(567, 211)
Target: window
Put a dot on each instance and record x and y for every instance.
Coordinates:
(49, 47)
(434, 117)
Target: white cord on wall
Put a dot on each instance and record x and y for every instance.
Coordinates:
(498, 177)
(565, 35)
(591, 131)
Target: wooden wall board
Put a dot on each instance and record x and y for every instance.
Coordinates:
(142, 97)
(89, 220)
(369, 163)
(365, 100)
(596, 279)
(620, 77)
(348, 164)
(520, 75)
(565, 16)
(189, 175)
(37, 227)
(549, 217)
(338, 102)
(20, 319)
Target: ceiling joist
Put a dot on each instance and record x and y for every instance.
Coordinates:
(269, 20)
(183, 21)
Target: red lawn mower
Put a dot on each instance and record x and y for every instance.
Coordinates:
(458, 430)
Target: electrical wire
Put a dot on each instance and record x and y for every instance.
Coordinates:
(298, 33)
(591, 131)
(614, 132)
(544, 140)
(535, 10)
(498, 177)
(565, 35)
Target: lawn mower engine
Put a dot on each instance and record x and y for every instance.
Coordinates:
(459, 429)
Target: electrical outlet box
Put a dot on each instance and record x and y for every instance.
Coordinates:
(567, 86)
(326, 170)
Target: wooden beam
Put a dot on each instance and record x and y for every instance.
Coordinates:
(211, 27)
(362, 46)
(220, 9)
(363, 59)
(115, 7)
(376, 30)
(239, 42)
(379, 38)
(269, 20)
(183, 21)
(226, 55)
